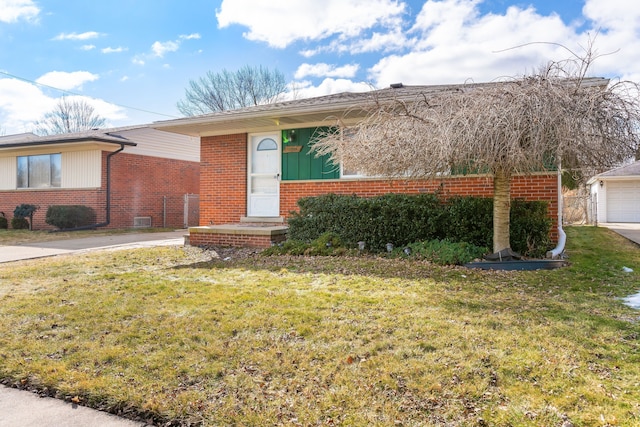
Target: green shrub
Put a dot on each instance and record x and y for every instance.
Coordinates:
(530, 226)
(469, 219)
(443, 252)
(4, 224)
(19, 223)
(328, 244)
(70, 216)
(396, 218)
(403, 219)
(24, 210)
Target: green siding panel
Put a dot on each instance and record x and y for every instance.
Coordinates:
(304, 165)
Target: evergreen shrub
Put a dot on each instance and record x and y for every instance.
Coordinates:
(70, 216)
(404, 219)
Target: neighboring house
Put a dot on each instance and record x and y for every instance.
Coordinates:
(615, 195)
(130, 176)
(256, 163)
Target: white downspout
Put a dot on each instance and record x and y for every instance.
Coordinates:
(562, 237)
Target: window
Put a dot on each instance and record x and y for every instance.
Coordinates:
(42, 171)
(267, 144)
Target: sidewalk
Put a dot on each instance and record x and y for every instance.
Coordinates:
(20, 408)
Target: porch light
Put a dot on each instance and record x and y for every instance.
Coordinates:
(601, 183)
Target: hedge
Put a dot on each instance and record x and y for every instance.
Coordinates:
(70, 216)
(403, 219)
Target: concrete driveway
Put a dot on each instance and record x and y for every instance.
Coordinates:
(629, 230)
(115, 241)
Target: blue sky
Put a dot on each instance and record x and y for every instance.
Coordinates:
(132, 60)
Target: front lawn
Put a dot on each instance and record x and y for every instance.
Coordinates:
(167, 336)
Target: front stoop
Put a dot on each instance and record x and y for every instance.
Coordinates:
(244, 235)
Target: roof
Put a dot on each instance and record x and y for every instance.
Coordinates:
(628, 171)
(108, 136)
(318, 111)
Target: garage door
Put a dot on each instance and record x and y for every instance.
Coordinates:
(623, 201)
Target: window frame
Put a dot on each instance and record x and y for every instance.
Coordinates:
(25, 175)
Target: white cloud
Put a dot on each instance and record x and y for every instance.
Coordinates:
(326, 70)
(305, 89)
(106, 109)
(14, 10)
(194, 36)
(160, 48)
(75, 36)
(22, 104)
(279, 23)
(454, 43)
(88, 47)
(138, 60)
(114, 49)
(67, 81)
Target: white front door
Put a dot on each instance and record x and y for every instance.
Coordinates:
(264, 175)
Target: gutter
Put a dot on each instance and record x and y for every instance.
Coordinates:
(562, 236)
(108, 201)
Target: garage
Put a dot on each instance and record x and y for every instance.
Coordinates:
(615, 195)
(623, 201)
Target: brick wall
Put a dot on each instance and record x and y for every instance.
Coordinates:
(535, 187)
(223, 179)
(233, 240)
(224, 184)
(44, 198)
(138, 186)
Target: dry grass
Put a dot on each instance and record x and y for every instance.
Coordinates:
(168, 336)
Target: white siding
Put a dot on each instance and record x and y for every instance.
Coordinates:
(81, 169)
(8, 173)
(156, 143)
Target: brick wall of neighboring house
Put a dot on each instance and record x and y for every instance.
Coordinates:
(139, 185)
(223, 183)
(45, 198)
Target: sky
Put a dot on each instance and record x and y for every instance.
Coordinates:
(133, 60)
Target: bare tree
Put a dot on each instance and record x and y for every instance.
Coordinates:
(68, 116)
(228, 90)
(520, 126)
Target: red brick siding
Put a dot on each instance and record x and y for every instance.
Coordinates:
(223, 181)
(536, 187)
(233, 240)
(223, 178)
(138, 185)
(45, 198)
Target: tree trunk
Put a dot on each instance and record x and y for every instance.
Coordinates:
(501, 210)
